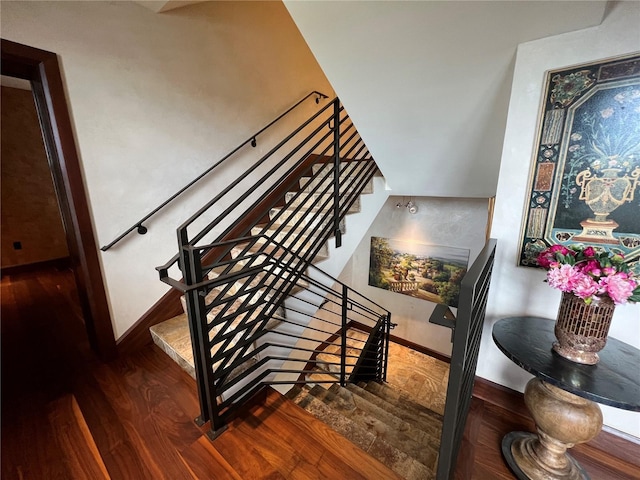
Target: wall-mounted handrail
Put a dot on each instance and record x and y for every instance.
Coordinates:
(248, 249)
(251, 140)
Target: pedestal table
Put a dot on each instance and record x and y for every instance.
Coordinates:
(562, 397)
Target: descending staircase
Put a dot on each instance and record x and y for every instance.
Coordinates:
(383, 421)
(261, 314)
(173, 335)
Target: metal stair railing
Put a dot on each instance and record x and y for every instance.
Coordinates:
(239, 262)
(250, 196)
(250, 345)
(466, 329)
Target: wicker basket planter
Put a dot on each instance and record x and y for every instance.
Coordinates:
(582, 329)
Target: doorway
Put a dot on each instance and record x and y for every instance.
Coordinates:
(42, 70)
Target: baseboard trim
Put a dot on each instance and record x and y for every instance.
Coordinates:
(138, 335)
(405, 343)
(617, 444)
(421, 349)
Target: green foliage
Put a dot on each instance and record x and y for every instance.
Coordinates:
(429, 287)
(449, 293)
(443, 276)
(381, 254)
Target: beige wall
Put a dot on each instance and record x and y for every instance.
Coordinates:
(157, 98)
(30, 213)
(519, 290)
(452, 222)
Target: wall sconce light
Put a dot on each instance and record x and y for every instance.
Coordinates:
(412, 207)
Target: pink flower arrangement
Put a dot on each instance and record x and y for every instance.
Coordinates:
(589, 274)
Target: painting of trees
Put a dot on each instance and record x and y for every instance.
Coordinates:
(429, 272)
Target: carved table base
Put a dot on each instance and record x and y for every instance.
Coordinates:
(562, 420)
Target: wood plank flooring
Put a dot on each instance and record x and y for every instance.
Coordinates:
(138, 410)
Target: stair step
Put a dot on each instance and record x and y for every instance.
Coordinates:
(328, 362)
(399, 398)
(320, 377)
(429, 423)
(330, 356)
(280, 216)
(321, 170)
(318, 186)
(295, 240)
(237, 304)
(293, 202)
(395, 431)
(364, 437)
(292, 423)
(174, 338)
(358, 435)
(75, 440)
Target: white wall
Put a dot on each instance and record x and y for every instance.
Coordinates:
(155, 99)
(519, 290)
(453, 222)
(427, 82)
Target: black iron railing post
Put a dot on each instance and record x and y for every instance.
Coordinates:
(343, 346)
(387, 334)
(196, 313)
(336, 173)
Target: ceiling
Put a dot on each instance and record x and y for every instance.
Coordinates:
(428, 82)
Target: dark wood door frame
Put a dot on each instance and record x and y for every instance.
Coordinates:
(42, 69)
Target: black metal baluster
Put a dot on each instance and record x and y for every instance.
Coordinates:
(336, 174)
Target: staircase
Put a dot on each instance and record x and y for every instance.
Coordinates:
(382, 420)
(260, 313)
(301, 207)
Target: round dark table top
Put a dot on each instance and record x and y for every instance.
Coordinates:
(614, 380)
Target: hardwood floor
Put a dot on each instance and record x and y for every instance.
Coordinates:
(65, 415)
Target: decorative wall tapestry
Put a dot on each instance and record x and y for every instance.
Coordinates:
(585, 174)
(428, 272)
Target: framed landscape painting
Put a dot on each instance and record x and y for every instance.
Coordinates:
(585, 174)
(428, 272)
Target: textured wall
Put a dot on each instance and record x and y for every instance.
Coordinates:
(155, 99)
(29, 205)
(452, 222)
(519, 290)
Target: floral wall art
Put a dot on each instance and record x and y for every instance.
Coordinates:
(428, 272)
(585, 175)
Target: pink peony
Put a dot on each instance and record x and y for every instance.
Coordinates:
(584, 286)
(590, 274)
(618, 286)
(563, 277)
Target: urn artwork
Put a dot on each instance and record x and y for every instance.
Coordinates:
(603, 195)
(585, 172)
